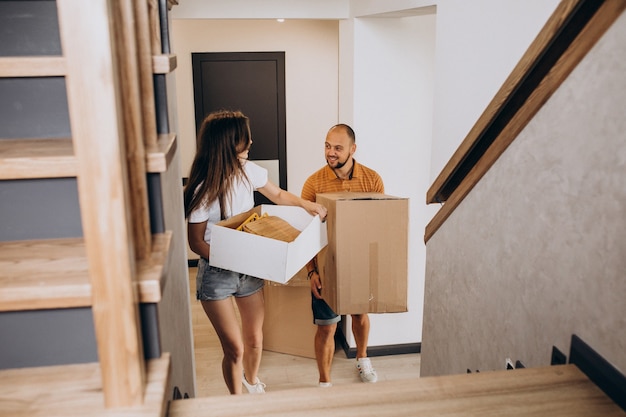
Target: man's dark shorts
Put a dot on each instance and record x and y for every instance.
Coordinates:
(322, 313)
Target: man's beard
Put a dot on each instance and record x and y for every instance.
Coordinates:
(339, 163)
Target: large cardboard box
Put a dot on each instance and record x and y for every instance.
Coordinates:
(364, 268)
(264, 257)
(288, 326)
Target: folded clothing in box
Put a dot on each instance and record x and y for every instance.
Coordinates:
(271, 226)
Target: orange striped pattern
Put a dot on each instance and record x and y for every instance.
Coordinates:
(324, 180)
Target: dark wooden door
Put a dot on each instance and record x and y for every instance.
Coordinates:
(253, 82)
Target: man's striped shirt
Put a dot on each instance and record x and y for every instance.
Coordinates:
(362, 179)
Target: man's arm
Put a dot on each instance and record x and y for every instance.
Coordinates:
(308, 193)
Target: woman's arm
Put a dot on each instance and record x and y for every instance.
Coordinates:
(195, 236)
(281, 197)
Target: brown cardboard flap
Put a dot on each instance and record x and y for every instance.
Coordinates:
(346, 195)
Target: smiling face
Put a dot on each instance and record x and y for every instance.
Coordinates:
(339, 148)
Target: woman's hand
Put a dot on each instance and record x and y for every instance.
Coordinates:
(315, 208)
(279, 196)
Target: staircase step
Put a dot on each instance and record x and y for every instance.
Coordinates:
(76, 390)
(32, 66)
(549, 390)
(37, 158)
(159, 156)
(54, 157)
(53, 273)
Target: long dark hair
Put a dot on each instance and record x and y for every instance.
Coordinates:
(215, 168)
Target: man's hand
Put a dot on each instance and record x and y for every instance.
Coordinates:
(316, 285)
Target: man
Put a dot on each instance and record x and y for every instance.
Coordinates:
(342, 173)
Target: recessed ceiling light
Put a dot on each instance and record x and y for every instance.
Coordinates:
(280, 20)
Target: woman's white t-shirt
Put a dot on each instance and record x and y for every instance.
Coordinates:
(242, 199)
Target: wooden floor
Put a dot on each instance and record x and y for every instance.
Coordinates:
(280, 371)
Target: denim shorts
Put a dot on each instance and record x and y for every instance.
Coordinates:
(214, 283)
(322, 313)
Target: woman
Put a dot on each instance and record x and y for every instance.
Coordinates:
(221, 184)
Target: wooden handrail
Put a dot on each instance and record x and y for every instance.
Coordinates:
(130, 72)
(571, 31)
(104, 194)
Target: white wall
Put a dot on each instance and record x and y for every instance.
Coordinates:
(479, 42)
(410, 106)
(311, 55)
(266, 9)
(391, 8)
(386, 94)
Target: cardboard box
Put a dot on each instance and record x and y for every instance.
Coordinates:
(263, 257)
(364, 268)
(288, 326)
(300, 279)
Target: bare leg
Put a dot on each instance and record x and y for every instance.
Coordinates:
(325, 349)
(224, 319)
(252, 315)
(361, 331)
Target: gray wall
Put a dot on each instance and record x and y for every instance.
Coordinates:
(38, 208)
(537, 251)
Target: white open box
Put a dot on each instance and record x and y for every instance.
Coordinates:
(263, 257)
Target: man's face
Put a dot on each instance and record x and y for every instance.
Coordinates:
(338, 148)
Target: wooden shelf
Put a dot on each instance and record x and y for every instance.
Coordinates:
(158, 157)
(32, 66)
(163, 64)
(76, 390)
(54, 273)
(37, 158)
